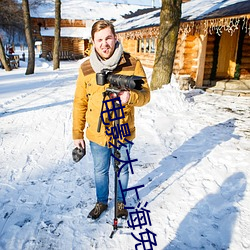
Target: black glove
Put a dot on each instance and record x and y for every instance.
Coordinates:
(78, 153)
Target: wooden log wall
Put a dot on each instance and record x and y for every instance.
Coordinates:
(146, 59)
(190, 56)
(79, 46)
(185, 59)
(50, 22)
(73, 45)
(131, 46)
(178, 61)
(66, 44)
(186, 55)
(47, 45)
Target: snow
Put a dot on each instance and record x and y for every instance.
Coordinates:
(145, 20)
(197, 9)
(155, 3)
(86, 10)
(193, 156)
(84, 33)
(192, 10)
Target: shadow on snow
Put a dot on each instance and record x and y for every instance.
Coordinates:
(22, 110)
(210, 223)
(190, 153)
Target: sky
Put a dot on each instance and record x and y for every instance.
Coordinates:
(192, 150)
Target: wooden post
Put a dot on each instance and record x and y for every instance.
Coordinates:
(201, 60)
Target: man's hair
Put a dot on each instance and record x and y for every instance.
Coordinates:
(101, 24)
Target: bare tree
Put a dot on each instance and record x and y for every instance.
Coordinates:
(36, 3)
(168, 34)
(3, 57)
(11, 16)
(11, 24)
(56, 59)
(28, 33)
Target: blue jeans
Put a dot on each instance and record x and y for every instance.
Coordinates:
(102, 159)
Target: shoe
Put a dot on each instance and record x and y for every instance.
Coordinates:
(121, 211)
(97, 210)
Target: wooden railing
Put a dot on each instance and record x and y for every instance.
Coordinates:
(63, 55)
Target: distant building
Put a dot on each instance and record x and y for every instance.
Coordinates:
(75, 36)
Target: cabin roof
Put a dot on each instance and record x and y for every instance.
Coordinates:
(193, 10)
(84, 10)
(208, 9)
(140, 21)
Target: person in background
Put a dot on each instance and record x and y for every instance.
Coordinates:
(107, 53)
(11, 50)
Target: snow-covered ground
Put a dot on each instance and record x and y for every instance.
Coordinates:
(193, 154)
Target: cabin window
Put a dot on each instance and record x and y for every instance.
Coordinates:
(140, 45)
(146, 45)
(152, 45)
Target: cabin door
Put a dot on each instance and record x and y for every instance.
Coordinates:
(227, 55)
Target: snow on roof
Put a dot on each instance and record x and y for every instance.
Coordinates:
(197, 9)
(79, 32)
(145, 20)
(85, 10)
(192, 10)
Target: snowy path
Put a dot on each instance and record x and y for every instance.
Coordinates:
(193, 156)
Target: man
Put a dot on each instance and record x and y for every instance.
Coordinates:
(107, 54)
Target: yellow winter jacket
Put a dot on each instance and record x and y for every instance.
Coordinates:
(89, 98)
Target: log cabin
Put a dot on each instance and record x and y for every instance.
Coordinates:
(77, 17)
(74, 37)
(213, 41)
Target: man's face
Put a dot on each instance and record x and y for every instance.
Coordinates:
(104, 42)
